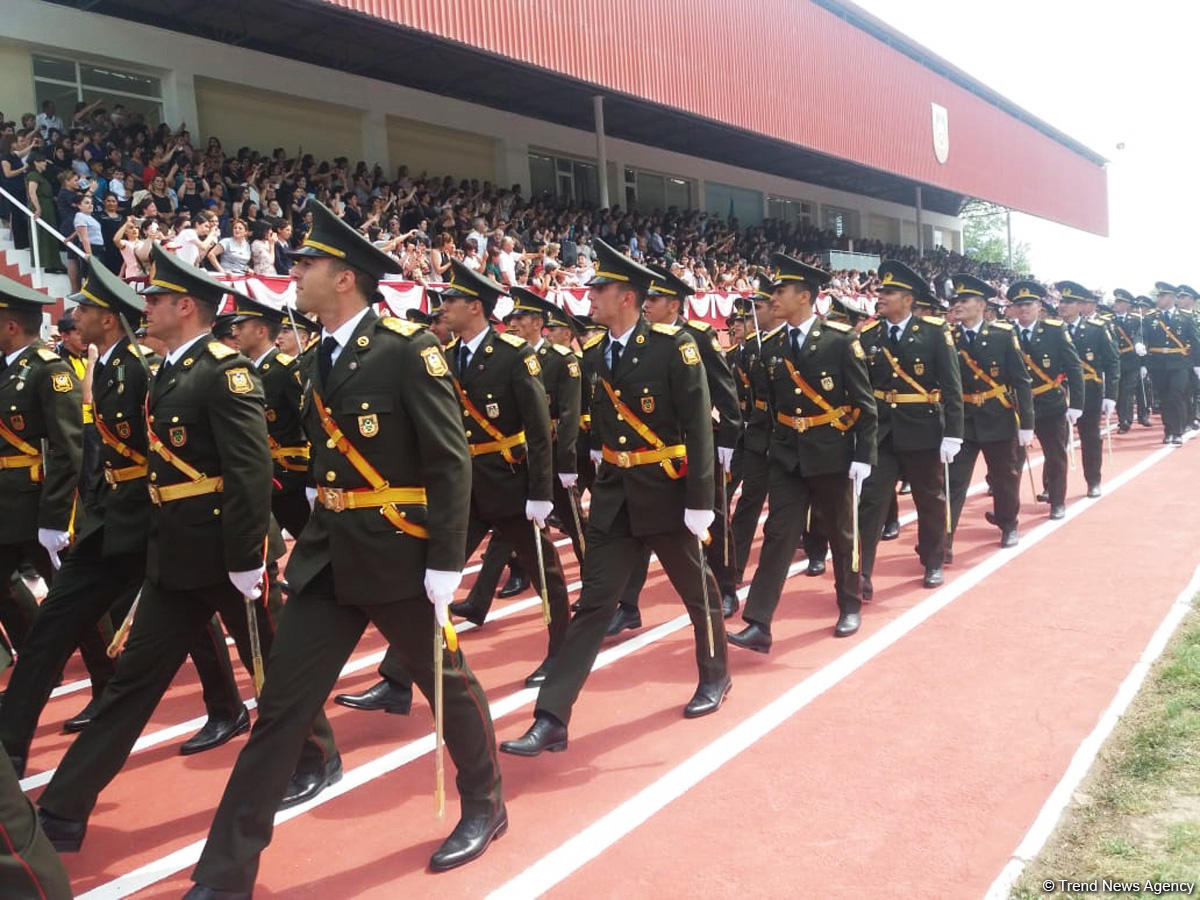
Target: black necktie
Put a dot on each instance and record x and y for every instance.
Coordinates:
(970, 337)
(1025, 338)
(325, 357)
(164, 371)
(464, 357)
(615, 349)
(894, 335)
(796, 338)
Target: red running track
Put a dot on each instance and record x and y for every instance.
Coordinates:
(917, 770)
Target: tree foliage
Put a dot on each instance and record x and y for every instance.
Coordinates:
(985, 236)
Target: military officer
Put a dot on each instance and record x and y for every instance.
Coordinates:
(257, 327)
(385, 545)
(651, 416)
(1173, 355)
(296, 333)
(997, 409)
(107, 563)
(29, 867)
(1101, 373)
(918, 392)
(1127, 330)
(1186, 299)
(1056, 385)
(823, 446)
(209, 473)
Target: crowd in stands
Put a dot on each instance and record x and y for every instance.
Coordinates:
(115, 185)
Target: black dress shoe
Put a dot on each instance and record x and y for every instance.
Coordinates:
(391, 698)
(1058, 511)
(546, 733)
(1093, 490)
(470, 837)
(215, 733)
(891, 530)
(847, 624)
(1177, 440)
(65, 834)
(905, 488)
(752, 637)
(729, 604)
(538, 675)
(465, 610)
(816, 567)
(624, 617)
(708, 698)
(1146, 423)
(517, 584)
(1124, 428)
(1009, 537)
(305, 785)
(1194, 425)
(933, 577)
(204, 892)
(1043, 497)
(80, 720)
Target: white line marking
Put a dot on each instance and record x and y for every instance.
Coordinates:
(1081, 762)
(608, 829)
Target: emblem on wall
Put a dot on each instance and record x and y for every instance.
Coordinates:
(941, 133)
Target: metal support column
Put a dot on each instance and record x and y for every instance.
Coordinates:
(601, 153)
(920, 226)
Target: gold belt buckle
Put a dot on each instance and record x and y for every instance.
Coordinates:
(155, 496)
(889, 397)
(800, 424)
(623, 459)
(110, 476)
(977, 399)
(333, 499)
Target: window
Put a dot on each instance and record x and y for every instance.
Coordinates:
(647, 191)
(66, 82)
(785, 209)
(726, 201)
(564, 178)
(842, 222)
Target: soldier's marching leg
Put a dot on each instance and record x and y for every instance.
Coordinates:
(29, 867)
(479, 600)
(563, 508)
(928, 481)
(1126, 388)
(1052, 437)
(716, 551)
(755, 471)
(815, 543)
(961, 472)
(1143, 396)
(18, 608)
(519, 532)
(1001, 459)
(222, 701)
(833, 495)
(627, 615)
(290, 508)
(1092, 448)
(877, 493)
(1194, 411)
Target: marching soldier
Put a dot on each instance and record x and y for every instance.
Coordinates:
(822, 448)
(651, 415)
(997, 409)
(107, 563)
(1173, 356)
(1057, 386)
(29, 867)
(296, 333)
(385, 545)
(209, 473)
(1101, 374)
(1186, 298)
(1127, 330)
(918, 393)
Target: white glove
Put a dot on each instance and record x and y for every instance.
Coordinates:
(725, 455)
(1073, 415)
(310, 494)
(697, 521)
(1024, 436)
(1142, 371)
(1108, 406)
(949, 449)
(567, 479)
(537, 511)
(1139, 348)
(1196, 371)
(249, 583)
(54, 541)
(860, 472)
(597, 457)
(440, 586)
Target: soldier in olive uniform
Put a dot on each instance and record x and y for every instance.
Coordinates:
(1127, 331)
(1101, 373)
(822, 448)
(1172, 339)
(651, 417)
(107, 563)
(210, 483)
(1186, 298)
(29, 867)
(997, 409)
(385, 545)
(1057, 386)
(918, 392)
(297, 333)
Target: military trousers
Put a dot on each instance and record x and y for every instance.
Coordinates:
(1131, 392)
(1051, 431)
(790, 496)
(1003, 478)
(1170, 387)
(168, 622)
(315, 638)
(611, 554)
(1091, 445)
(755, 471)
(923, 469)
(291, 510)
(29, 867)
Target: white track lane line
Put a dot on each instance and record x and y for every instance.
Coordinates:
(167, 866)
(588, 844)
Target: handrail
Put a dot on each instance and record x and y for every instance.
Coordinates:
(36, 222)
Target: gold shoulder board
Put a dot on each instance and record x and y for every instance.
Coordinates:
(561, 350)
(671, 330)
(932, 320)
(511, 339)
(838, 326)
(593, 341)
(47, 355)
(874, 322)
(1053, 323)
(285, 359)
(699, 324)
(219, 350)
(400, 326)
(1003, 326)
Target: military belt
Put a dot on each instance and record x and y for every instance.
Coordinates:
(1047, 386)
(835, 417)
(502, 445)
(337, 499)
(585, 422)
(171, 492)
(129, 473)
(979, 399)
(934, 396)
(1168, 349)
(30, 461)
(627, 459)
(760, 405)
(284, 455)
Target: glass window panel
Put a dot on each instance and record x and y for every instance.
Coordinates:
(679, 193)
(62, 96)
(652, 193)
(103, 78)
(49, 67)
(541, 174)
(150, 110)
(587, 184)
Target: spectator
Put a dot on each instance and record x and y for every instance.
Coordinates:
(165, 199)
(440, 257)
(262, 248)
(48, 119)
(478, 234)
(111, 222)
(41, 202)
(232, 254)
(194, 244)
(88, 234)
(471, 258)
(492, 268)
(283, 238)
(507, 261)
(12, 179)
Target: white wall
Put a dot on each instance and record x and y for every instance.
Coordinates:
(179, 59)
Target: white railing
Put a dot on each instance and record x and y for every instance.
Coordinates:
(36, 222)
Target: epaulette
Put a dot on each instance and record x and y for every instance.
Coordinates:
(511, 339)
(837, 326)
(1096, 320)
(453, 343)
(400, 326)
(561, 350)
(144, 351)
(699, 324)
(578, 354)
(593, 341)
(1053, 323)
(312, 342)
(47, 355)
(1003, 326)
(774, 331)
(285, 359)
(932, 320)
(753, 335)
(669, 330)
(872, 324)
(219, 350)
